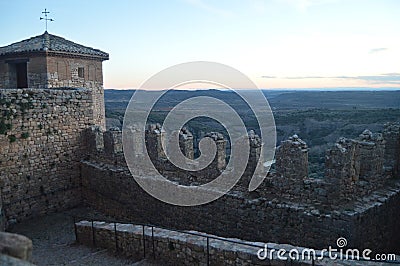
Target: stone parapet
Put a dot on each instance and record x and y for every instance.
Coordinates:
(169, 247)
(270, 216)
(292, 159)
(391, 135)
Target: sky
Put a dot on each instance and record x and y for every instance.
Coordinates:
(277, 43)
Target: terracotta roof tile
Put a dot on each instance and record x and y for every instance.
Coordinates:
(50, 42)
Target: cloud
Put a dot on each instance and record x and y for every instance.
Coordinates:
(303, 5)
(385, 78)
(307, 77)
(377, 50)
(201, 4)
(391, 74)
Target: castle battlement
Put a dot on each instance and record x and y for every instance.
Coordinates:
(353, 167)
(337, 204)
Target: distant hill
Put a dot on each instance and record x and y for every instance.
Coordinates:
(318, 117)
(336, 99)
(117, 100)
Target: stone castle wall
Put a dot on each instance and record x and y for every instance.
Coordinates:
(41, 146)
(284, 209)
(36, 71)
(63, 72)
(236, 215)
(2, 218)
(47, 71)
(392, 151)
(190, 247)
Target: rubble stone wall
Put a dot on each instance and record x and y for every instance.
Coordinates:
(391, 135)
(2, 219)
(63, 73)
(112, 190)
(41, 146)
(36, 68)
(183, 248)
(309, 212)
(46, 71)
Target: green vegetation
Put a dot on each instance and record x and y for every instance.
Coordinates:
(24, 135)
(12, 138)
(8, 112)
(4, 127)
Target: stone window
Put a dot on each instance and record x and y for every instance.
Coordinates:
(81, 72)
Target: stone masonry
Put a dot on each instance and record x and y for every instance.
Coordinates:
(41, 146)
(311, 212)
(190, 247)
(51, 90)
(292, 163)
(391, 135)
(49, 61)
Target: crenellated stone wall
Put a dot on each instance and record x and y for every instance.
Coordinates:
(342, 168)
(286, 208)
(391, 135)
(291, 164)
(371, 152)
(186, 143)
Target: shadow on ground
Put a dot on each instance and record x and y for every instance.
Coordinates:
(54, 242)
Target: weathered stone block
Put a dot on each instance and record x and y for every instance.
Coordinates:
(15, 245)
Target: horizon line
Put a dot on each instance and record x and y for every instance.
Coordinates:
(272, 89)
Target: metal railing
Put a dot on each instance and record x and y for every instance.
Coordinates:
(206, 236)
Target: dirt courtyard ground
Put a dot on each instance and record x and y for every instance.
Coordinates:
(54, 242)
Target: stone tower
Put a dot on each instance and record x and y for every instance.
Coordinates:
(51, 92)
(50, 61)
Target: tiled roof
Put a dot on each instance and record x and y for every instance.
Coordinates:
(53, 43)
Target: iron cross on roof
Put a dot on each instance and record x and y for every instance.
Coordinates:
(45, 12)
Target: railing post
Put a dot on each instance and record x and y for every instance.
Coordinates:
(152, 240)
(75, 229)
(116, 239)
(144, 244)
(93, 235)
(208, 251)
